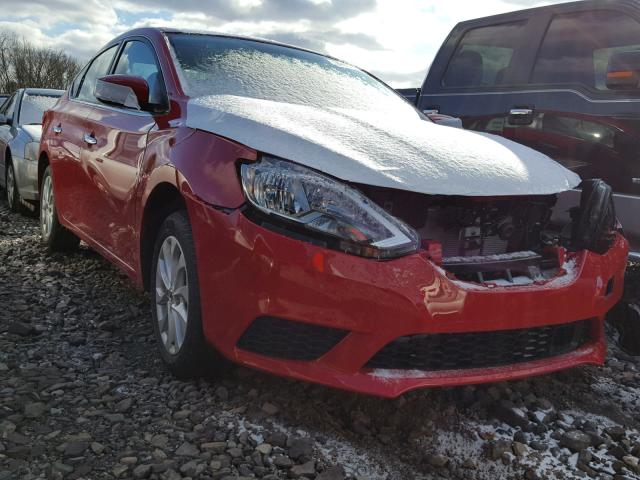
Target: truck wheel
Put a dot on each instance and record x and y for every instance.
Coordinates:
(176, 313)
(629, 329)
(55, 236)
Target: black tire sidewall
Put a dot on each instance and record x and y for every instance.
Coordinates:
(188, 360)
(14, 203)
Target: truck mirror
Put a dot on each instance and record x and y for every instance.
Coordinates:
(623, 72)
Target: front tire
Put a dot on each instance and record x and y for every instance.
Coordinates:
(176, 313)
(54, 235)
(13, 194)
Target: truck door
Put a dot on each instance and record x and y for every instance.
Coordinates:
(476, 71)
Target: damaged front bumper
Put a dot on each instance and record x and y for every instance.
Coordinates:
(386, 327)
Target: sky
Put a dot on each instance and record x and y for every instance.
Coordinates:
(395, 40)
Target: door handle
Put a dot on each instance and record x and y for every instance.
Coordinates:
(520, 112)
(89, 139)
(57, 129)
(635, 181)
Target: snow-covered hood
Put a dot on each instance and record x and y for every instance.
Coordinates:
(395, 149)
(34, 131)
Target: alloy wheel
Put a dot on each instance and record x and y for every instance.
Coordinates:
(172, 295)
(46, 207)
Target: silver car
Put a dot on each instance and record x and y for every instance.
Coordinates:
(20, 130)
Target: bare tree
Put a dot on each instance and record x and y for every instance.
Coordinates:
(23, 64)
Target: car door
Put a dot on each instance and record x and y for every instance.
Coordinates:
(64, 134)
(476, 73)
(6, 133)
(115, 143)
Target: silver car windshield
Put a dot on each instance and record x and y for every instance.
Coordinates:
(218, 65)
(33, 106)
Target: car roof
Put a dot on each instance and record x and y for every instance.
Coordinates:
(43, 91)
(559, 8)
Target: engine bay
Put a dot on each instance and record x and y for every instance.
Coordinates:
(502, 240)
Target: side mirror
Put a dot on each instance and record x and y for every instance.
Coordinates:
(623, 72)
(123, 90)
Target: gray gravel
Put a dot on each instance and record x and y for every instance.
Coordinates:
(83, 395)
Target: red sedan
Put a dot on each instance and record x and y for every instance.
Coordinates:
(290, 212)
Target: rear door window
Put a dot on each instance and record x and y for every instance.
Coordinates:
(577, 47)
(484, 56)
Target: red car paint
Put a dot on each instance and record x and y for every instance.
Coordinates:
(247, 271)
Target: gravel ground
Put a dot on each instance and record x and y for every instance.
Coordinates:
(83, 395)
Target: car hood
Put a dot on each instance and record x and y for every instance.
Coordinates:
(395, 149)
(34, 131)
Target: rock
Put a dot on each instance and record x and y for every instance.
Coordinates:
(264, 448)
(75, 449)
(632, 462)
(277, 439)
(308, 469)
(22, 329)
(437, 460)
(332, 473)
(282, 461)
(62, 468)
(498, 447)
(187, 450)
(616, 432)
(34, 410)
(97, 448)
(519, 449)
(129, 460)
(222, 393)
(124, 405)
(300, 448)
(159, 441)
(575, 440)
(511, 415)
(142, 471)
(270, 409)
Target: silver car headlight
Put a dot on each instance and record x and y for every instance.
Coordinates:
(31, 151)
(308, 203)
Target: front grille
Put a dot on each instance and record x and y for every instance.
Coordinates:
(275, 337)
(457, 351)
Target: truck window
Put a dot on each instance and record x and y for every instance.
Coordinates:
(483, 56)
(577, 47)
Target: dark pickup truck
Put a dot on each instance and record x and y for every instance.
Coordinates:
(562, 79)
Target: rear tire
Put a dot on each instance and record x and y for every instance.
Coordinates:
(55, 236)
(175, 292)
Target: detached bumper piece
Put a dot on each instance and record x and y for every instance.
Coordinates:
(459, 351)
(278, 338)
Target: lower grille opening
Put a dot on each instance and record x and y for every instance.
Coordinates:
(458, 351)
(275, 337)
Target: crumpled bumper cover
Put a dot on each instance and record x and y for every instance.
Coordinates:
(247, 272)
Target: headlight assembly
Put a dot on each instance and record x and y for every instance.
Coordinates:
(307, 202)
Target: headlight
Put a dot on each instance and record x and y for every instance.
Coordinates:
(31, 150)
(310, 203)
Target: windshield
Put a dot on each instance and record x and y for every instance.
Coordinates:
(216, 65)
(33, 106)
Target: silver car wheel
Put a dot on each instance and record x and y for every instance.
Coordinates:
(46, 207)
(172, 295)
(11, 185)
